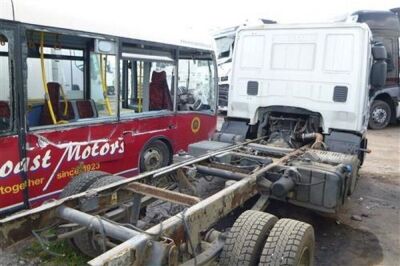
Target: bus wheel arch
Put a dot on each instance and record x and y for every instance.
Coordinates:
(156, 153)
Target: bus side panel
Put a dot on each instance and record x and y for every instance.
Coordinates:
(59, 155)
(11, 185)
(137, 134)
(56, 156)
(194, 127)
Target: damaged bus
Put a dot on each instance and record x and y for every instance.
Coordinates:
(93, 98)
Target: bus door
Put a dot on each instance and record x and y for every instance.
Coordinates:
(71, 111)
(147, 107)
(13, 195)
(196, 97)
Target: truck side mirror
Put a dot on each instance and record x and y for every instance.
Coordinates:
(379, 67)
(379, 52)
(378, 74)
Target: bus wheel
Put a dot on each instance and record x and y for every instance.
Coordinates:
(290, 242)
(85, 241)
(81, 183)
(380, 115)
(245, 240)
(155, 155)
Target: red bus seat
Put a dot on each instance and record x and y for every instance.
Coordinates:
(57, 104)
(5, 115)
(54, 95)
(85, 109)
(160, 98)
(5, 110)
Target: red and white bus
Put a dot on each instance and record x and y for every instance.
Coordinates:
(75, 99)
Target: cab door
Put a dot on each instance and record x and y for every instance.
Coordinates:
(13, 189)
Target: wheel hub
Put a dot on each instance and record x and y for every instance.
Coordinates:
(152, 159)
(379, 115)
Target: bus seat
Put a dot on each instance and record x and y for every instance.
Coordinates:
(54, 95)
(5, 110)
(160, 98)
(34, 115)
(54, 89)
(5, 115)
(86, 109)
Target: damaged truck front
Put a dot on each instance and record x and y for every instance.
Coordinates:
(296, 83)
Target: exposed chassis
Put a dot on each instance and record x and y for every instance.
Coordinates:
(187, 232)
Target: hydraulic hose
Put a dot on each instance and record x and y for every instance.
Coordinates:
(317, 137)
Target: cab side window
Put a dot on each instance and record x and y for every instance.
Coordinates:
(5, 97)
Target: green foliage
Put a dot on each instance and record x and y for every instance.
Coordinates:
(67, 255)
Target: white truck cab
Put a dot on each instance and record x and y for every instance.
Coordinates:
(289, 80)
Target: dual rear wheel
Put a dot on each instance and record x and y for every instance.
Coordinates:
(258, 238)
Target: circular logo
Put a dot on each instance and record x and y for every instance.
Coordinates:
(195, 124)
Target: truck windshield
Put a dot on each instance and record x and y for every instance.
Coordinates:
(224, 45)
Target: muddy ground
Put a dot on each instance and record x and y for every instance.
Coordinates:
(366, 231)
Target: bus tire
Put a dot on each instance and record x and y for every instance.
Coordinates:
(84, 241)
(81, 183)
(246, 238)
(290, 242)
(155, 155)
(380, 115)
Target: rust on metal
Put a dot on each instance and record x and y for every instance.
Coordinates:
(163, 194)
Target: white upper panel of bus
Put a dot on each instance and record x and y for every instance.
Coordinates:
(122, 20)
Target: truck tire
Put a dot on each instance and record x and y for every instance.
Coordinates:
(84, 242)
(81, 183)
(155, 155)
(246, 238)
(380, 115)
(290, 243)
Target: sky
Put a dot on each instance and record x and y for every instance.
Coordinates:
(164, 17)
(212, 14)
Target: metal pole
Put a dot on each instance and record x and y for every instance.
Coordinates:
(97, 223)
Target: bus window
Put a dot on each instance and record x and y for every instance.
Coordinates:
(147, 86)
(196, 88)
(102, 84)
(5, 106)
(55, 80)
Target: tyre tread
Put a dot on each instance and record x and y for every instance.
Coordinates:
(284, 242)
(244, 241)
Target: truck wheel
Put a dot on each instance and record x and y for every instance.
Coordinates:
(84, 242)
(380, 115)
(246, 238)
(81, 183)
(155, 155)
(289, 243)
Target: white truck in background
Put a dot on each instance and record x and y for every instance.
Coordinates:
(385, 100)
(289, 81)
(225, 43)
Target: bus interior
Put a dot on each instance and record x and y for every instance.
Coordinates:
(73, 77)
